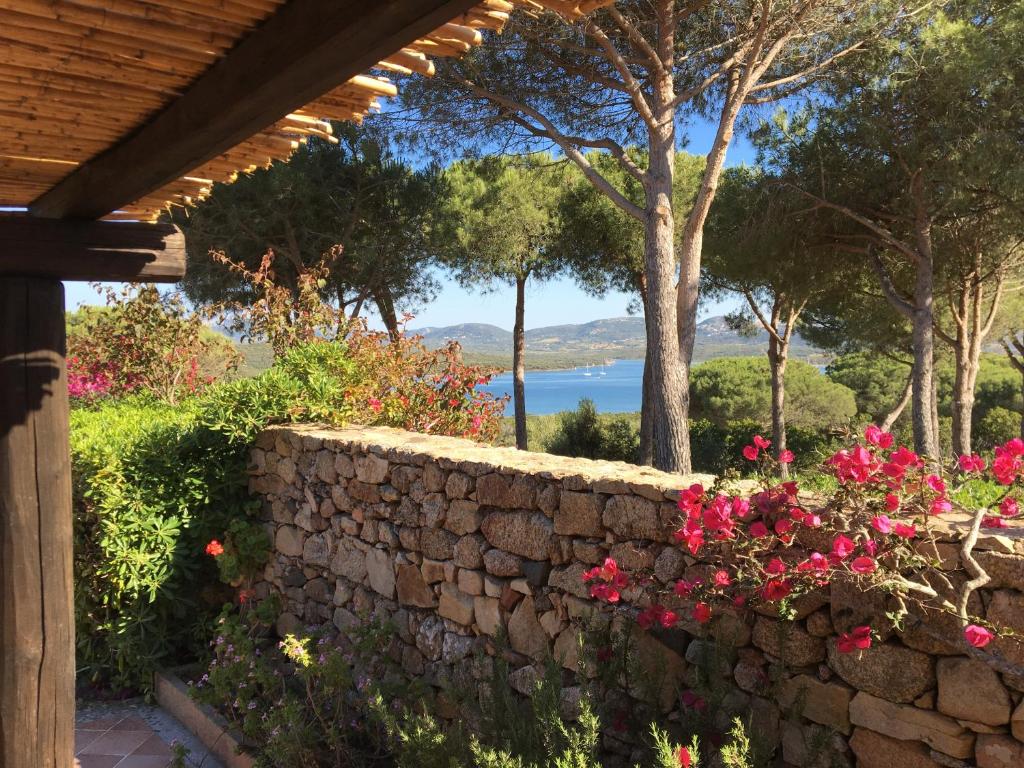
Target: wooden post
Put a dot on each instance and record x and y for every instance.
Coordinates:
(37, 648)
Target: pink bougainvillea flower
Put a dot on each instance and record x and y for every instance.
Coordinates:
(684, 588)
(871, 547)
(375, 404)
(842, 546)
(940, 507)
(936, 483)
(776, 567)
(857, 639)
(722, 579)
(783, 526)
(815, 562)
(776, 589)
(1009, 507)
(992, 521)
(701, 613)
(812, 520)
(977, 636)
(863, 565)
(881, 523)
(876, 436)
(892, 502)
(971, 463)
(761, 443)
(786, 457)
(215, 548)
(668, 619)
(684, 757)
(905, 530)
(758, 530)
(750, 452)
(904, 457)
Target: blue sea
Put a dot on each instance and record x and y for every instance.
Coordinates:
(614, 388)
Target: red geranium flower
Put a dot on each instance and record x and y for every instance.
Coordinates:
(215, 548)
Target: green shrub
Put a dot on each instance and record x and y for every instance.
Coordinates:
(152, 485)
(155, 483)
(739, 389)
(717, 449)
(996, 427)
(585, 433)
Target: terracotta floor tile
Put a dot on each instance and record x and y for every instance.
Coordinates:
(132, 724)
(117, 743)
(98, 761)
(84, 738)
(145, 761)
(154, 745)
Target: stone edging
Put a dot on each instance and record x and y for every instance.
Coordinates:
(201, 720)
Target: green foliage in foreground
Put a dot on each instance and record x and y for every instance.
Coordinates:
(153, 483)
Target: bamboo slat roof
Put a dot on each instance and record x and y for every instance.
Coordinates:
(78, 76)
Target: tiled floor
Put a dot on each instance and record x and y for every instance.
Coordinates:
(120, 742)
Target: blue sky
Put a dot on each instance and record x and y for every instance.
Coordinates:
(554, 303)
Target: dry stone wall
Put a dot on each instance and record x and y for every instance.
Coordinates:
(457, 543)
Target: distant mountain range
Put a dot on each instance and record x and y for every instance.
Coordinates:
(616, 337)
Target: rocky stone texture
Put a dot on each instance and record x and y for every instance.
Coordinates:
(457, 545)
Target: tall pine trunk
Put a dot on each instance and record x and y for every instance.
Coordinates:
(669, 391)
(967, 364)
(778, 357)
(519, 365)
(646, 454)
(923, 402)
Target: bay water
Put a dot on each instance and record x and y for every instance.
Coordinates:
(614, 388)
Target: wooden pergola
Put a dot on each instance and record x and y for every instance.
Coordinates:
(111, 110)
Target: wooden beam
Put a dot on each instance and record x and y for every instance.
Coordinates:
(91, 250)
(37, 620)
(306, 49)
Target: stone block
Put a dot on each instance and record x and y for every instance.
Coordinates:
(317, 549)
(463, 517)
(432, 570)
(456, 605)
(349, 562)
(998, 751)
(324, 467)
(413, 589)
(469, 551)
(525, 633)
(501, 563)
(886, 670)
(908, 723)
(487, 613)
(437, 543)
(494, 490)
(471, 582)
(522, 533)
(788, 641)
(371, 469)
(873, 750)
(971, 690)
(633, 517)
(823, 703)
(579, 514)
(288, 541)
(458, 485)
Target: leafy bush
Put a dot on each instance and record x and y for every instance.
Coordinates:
(996, 427)
(717, 449)
(152, 485)
(738, 388)
(155, 484)
(877, 383)
(584, 433)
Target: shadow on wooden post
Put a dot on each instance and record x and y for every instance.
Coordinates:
(37, 649)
